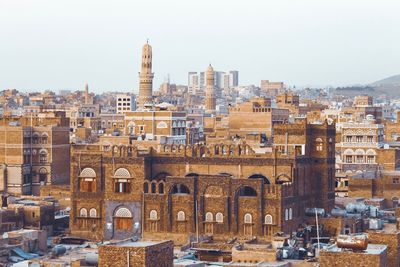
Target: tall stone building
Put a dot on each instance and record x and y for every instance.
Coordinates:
(174, 191)
(210, 94)
(145, 98)
(34, 151)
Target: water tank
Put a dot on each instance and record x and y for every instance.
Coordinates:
(357, 207)
(375, 224)
(311, 212)
(338, 213)
(356, 242)
(92, 259)
(59, 250)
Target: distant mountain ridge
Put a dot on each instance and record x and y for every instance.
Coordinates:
(389, 81)
(389, 86)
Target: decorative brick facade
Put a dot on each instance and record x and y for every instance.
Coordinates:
(210, 190)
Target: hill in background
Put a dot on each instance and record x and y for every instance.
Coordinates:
(389, 86)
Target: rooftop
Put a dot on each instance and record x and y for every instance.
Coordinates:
(373, 249)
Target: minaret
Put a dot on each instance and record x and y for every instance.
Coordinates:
(146, 78)
(87, 100)
(210, 94)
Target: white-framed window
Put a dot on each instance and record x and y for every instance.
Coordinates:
(219, 217)
(83, 212)
(93, 213)
(248, 218)
(209, 217)
(181, 216)
(268, 219)
(153, 215)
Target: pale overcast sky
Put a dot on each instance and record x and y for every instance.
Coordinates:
(61, 44)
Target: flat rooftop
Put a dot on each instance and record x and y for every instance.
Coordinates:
(373, 249)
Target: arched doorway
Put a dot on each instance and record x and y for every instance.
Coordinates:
(123, 219)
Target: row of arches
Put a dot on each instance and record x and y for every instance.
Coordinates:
(157, 185)
(38, 138)
(83, 212)
(359, 151)
(209, 150)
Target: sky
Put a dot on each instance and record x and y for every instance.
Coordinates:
(62, 44)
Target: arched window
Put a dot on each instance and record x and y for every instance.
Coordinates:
(122, 173)
(162, 125)
(283, 179)
(268, 219)
(122, 181)
(35, 138)
(219, 217)
(209, 217)
(87, 180)
(153, 188)
(43, 156)
(180, 189)
(290, 213)
(181, 216)
(318, 144)
(146, 187)
(260, 176)
(153, 215)
(248, 218)
(286, 214)
(88, 173)
(83, 212)
(44, 138)
(247, 191)
(161, 188)
(93, 213)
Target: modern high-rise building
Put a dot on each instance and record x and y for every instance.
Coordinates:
(229, 79)
(197, 80)
(145, 98)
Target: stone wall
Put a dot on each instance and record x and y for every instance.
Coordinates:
(155, 255)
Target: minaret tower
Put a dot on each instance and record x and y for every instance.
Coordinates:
(145, 98)
(210, 94)
(87, 100)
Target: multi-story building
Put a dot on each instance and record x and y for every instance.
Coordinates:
(272, 88)
(230, 79)
(125, 103)
(250, 121)
(363, 107)
(34, 151)
(288, 100)
(357, 146)
(175, 191)
(163, 126)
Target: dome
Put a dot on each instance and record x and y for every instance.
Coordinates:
(210, 68)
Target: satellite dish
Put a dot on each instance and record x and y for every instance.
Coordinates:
(5, 236)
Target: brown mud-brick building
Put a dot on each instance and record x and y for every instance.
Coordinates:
(219, 190)
(34, 151)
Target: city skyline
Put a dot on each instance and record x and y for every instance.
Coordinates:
(56, 46)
